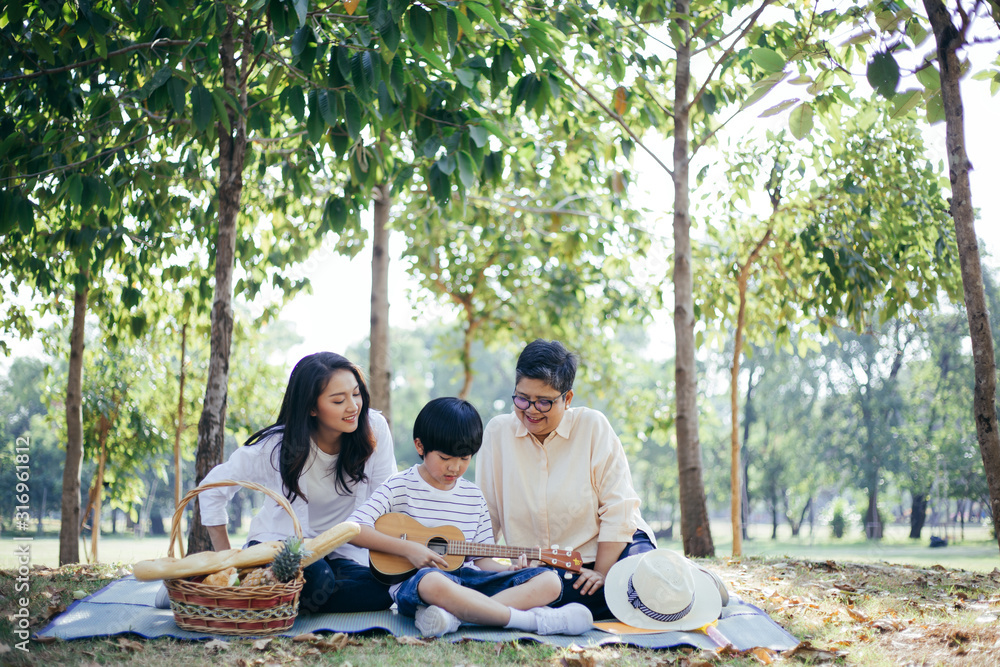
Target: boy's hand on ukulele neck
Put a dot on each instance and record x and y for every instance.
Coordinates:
(518, 563)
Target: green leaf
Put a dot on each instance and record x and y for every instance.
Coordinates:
(800, 121)
(378, 14)
(432, 58)
(220, 108)
(385, 104)
(762, 88)
(447, 164)
(301, 10)
(326, 108)
(42, 47)
(466, 169)
(767, 59)
(295, 99)
(396, 79)
(201, 105)
(353, 113)
(466, 77)
(495, 130)
(929, 77)
(479, 135)
(75, 185)
(420, 24)
(25, 213)
(883, 74)
(440, 186)
(708, 103)
(451, 24)
(778, 108)
(300, 40)
(390, 40)
(465, 24)
(363, 75)
(335, 214)
(935, 108)
(905, 101)
(487, 17)
(176, 89)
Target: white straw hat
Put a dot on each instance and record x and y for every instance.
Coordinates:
(662, 590)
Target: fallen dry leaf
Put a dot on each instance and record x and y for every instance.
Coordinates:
(216, 645)
(130, 645)
(857, 615)
(888, 625)
(808, 651)
(412, 641)
(764, 655)
(262, 644)
(583, 659)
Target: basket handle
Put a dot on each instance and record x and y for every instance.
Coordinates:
(175, 523)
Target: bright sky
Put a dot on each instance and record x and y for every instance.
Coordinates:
(337, 313)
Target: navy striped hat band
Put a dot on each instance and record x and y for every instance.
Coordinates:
(633, 598)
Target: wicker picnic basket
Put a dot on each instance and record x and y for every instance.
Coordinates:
(233, 610)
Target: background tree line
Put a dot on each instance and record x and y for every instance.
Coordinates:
(160, 160)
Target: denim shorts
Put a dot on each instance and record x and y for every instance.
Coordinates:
(487, 583)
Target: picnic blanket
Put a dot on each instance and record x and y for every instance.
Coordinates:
(126, 606)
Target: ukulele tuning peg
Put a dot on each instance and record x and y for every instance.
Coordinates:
(567, 575)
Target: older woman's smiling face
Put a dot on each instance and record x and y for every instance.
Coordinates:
(540, 424)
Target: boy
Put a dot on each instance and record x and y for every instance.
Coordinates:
(446, 433)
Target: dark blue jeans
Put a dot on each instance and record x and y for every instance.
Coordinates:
(595, 601)
(340, 585)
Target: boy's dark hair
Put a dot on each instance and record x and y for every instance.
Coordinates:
(548, 361)
(448, 425)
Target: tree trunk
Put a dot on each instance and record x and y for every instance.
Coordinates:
(178, 480)
(735, 468)
(748, 418)
(918, 515)
(232, 154)
(379, 360)
(949, 40)
(468, 334)
(69, 530)
(873, 522)
(696, 533)
(41, 512)
(95, 531)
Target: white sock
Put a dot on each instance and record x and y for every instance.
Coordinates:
(522, 620)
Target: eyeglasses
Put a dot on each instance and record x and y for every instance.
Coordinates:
(541, 404)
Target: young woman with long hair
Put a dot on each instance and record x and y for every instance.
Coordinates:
(326, 453)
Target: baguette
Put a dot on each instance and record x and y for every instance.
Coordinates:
(329, 540)
(208, 562)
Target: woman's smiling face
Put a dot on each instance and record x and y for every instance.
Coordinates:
(541, 424)
(337, 408)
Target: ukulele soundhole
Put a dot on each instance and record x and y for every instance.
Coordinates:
(438, 545)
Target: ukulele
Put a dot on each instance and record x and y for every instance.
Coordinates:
(449, 541)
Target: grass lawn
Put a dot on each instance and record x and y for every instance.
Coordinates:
(849, 601)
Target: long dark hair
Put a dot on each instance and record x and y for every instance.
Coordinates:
(295, 425)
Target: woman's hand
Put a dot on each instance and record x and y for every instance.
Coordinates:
(589, 582)
(420, 556)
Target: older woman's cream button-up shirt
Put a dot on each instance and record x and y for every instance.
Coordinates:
(573, 491)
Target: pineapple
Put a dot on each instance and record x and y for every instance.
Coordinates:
(283, 569)
(286, 564)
